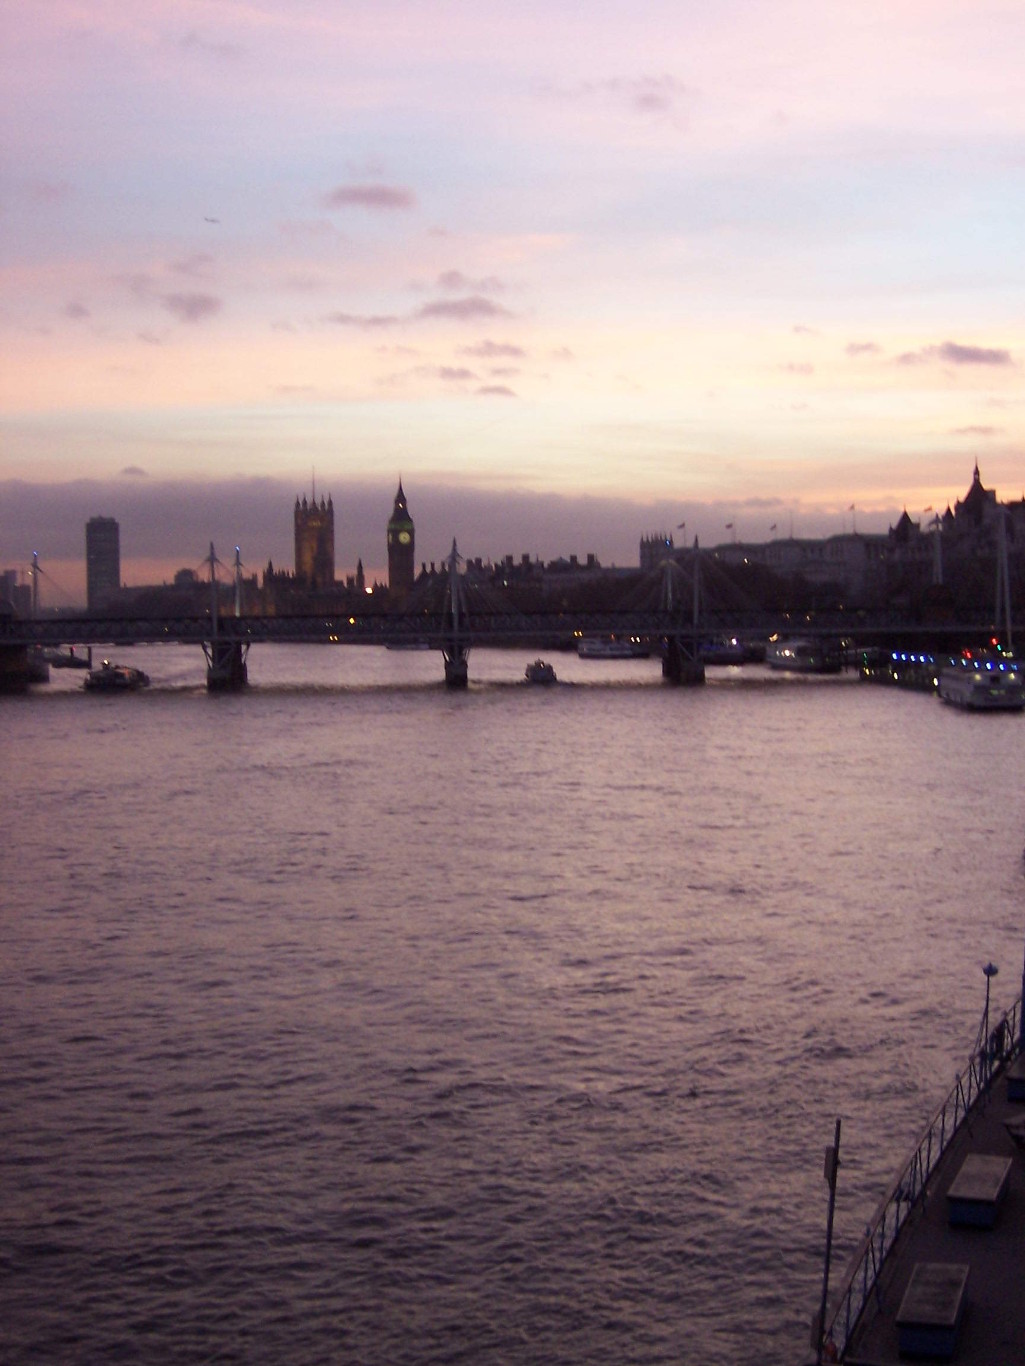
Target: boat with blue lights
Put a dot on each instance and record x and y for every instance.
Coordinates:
(982, 680)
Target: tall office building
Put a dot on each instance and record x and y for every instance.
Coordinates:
(102, 561)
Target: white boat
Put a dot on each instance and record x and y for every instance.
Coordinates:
(804, 655)
(115, 678)
(540, 672)
(982, 680)
(612, 647)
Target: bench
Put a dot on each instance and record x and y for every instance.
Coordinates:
(930, 1312)
(977, 1190)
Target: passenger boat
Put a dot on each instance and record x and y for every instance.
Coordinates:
(612, 647)
(938, 1272)
(115, 678)
(982, 680)
(540, 672)
(803, 655)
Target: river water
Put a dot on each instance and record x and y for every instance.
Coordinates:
(352, 1020)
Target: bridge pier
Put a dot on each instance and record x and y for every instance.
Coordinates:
(456, 667)
(14, 672)
(680, 663)
(226, 669)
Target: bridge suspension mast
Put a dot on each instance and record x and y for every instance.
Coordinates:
(456, 646)
(226, 668)
(681, 656)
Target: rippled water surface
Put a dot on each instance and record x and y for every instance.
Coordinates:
(349, 1020)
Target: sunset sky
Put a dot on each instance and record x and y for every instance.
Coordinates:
(575, 272)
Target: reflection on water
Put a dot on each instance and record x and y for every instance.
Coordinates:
(354, 1020)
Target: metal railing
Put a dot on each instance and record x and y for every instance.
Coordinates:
(862, 1276)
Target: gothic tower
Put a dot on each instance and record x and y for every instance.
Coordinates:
(401, 549)
(314, 543)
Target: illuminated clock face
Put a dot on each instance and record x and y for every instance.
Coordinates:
(404, 538)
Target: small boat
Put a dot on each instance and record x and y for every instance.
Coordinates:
(115, 678)
(67, 659)
(540, 672)
(803, 655)
(981, 680)
(612, 647)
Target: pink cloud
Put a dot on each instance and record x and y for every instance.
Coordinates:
(465, 310)
(192, 308)
(388, 197)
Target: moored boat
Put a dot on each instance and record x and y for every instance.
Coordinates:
(115, 678)
(612, 647)
(726, 650)
(67, 659)
(803, 655)
(981, 680)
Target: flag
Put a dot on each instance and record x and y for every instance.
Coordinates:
(773, 527)
(851, 508)
(729, 526)
(680, 526)
(928, 509)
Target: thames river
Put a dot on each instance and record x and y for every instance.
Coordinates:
(350, 1020)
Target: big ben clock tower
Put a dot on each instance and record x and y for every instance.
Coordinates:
(401, 550)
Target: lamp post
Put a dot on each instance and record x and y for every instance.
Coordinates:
(991, 971)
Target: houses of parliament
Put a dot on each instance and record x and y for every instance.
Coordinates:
(313, 586)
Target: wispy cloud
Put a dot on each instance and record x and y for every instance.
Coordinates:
(863, 349)
(496, 391)
(638, 94)
(954, 353)
(492, 350)
(192, 308)
(385, 197)
(195, 42)
(365, 320)
(468, 309)
(976, 431)
(454, 281)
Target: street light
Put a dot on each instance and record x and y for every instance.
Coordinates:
(991, 971)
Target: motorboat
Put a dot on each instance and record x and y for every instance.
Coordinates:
(540, 672)
(727, 650)
(115, 678)
(982, 680)
(612, 647)
(803, 655)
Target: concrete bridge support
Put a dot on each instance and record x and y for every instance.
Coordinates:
(456, 667)
(226, 669)
(680, 664)
(14, 671)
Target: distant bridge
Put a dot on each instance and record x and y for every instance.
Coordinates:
(668, 614)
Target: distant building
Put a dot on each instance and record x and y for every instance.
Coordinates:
(655, 549)
(102, 561)
(401, 549)
(314, 543)
(14, 594)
